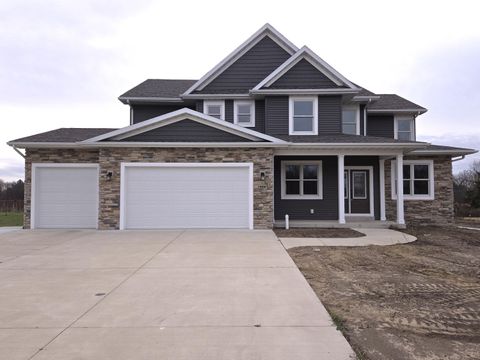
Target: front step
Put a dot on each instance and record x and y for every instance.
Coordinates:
(357, 223)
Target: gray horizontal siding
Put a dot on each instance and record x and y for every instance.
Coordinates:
(362, 119)
(276, 115)
(329, 114)
(303, 75)
(325, 209)
(229, 111)
(380, 125)
(249, 69)
(145, 112)
(259, 116)
(186, 131)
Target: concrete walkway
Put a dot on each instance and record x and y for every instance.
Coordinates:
(372, 237)
(158, 295)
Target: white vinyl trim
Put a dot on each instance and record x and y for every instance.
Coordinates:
(291, 101)
(33, 194)
(125, 165)
(319, 195)
(221, 103)
(250, 103)
(431, 180)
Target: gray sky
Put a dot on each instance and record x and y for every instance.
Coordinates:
(64, 63)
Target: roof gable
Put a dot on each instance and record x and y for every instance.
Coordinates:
(180, 115)
(303, 75)
(326, 71)
(267, 32)
(185, 131)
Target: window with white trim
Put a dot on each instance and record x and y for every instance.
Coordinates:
(214, 108)
(303, 115)
(351, 120)
(404, 128)
(301, 180)
(418, 181)
(244, 113)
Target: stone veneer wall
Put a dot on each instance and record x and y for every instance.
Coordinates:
(110, 159)
(437, 211)
(50, 156)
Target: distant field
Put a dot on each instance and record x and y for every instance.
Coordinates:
(11, 219)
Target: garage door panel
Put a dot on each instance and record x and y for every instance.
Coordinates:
(65, 197)
(186, 197)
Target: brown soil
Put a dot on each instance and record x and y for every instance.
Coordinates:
(318, 233)
(410, 301)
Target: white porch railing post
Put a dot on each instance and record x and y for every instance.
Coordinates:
(383, 217)
(400, 205)
(341, 189)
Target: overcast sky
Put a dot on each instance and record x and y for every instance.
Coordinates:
(64, 63)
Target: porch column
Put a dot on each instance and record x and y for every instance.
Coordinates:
(341, 189)
(382, 190)
(400, 214)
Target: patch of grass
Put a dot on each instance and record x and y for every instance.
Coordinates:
(11, 218)
(338, 321)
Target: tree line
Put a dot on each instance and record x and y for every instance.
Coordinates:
(466, 189)
(11, 190)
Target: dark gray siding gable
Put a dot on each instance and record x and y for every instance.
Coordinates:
(303, 75)
(186, 131)
(380, 125)
(251, 68)
(329, 114)
(145, 112)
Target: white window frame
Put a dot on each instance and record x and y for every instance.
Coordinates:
(220, 103)
(251, 103)
(431, 180)
(355, 108)
(355, 197)
(291, 101)
(412, 125)
(319, 195)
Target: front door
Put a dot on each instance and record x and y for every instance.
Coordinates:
(357, 191)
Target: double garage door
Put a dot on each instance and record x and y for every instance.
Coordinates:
(152, 196)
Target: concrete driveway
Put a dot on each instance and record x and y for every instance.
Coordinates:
(72, 294)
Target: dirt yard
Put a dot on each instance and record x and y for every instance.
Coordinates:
(411, 301)
(318, 232)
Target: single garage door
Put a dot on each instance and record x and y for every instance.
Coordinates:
(179, 195)
(65, 196)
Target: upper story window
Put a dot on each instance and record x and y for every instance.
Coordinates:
(404, 128)
(351, 120)
(303, 115)
(214, 108)
(244, 113)
(418, 182)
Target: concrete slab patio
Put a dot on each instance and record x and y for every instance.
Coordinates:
(204, 294)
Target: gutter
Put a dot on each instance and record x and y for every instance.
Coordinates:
(17, 151)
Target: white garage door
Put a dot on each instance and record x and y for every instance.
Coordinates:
(157, 196)
(65, 196)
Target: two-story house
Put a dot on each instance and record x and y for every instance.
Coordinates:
(272, 130)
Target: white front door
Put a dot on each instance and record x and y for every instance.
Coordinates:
(185, 195)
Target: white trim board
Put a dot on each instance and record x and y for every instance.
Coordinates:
(291, 101)
(283, 179)
(35, 166)
(250, 103)
(265, 30)
(431, 180)
(125, 165)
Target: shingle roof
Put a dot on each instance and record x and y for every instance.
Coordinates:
(393, 102)
(447, 150)
(159, 88)
(66, 135)
(340, 138)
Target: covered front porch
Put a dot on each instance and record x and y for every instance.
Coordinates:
(323, 189)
